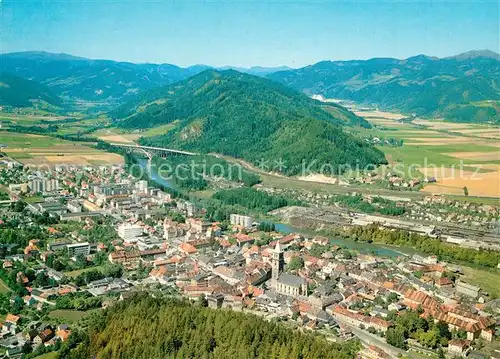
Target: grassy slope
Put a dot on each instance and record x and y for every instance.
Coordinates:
(3, 287)
(51, 355)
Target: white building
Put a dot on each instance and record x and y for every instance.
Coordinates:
(43, 185)
(76, 249)
(74, 207)
(142, 186)
(129, 232)
(239, 220)
(467, 289)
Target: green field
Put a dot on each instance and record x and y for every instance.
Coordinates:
(51, 355)
(23, 140)
(415, 154)
(487, 280)
(109, 131)
(63, 125)
(28, 120)
(155, 131)
(33, 199)
(3, 287)
(158, 130)
(458, 148)
(68, 315)
(76, 273)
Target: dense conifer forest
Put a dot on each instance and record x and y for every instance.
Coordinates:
(144, 327)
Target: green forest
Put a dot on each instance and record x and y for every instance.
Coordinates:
(194, 172)
(248, 117)
(18, 92)
(162, 327)
(378, 204)
(253, 199)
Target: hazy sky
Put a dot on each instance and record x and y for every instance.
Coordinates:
(244, 33)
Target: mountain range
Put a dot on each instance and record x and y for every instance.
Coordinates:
(105, 82)
(463, 88)
(252, 118)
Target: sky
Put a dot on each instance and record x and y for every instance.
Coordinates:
(247, 33)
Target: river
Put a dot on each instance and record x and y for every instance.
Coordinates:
(362, 247)
(154, 175)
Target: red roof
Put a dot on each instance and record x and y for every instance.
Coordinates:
(243, 238)
(12, 318)
(187, 248)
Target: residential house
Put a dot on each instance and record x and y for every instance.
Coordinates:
(458, 347)
(373, 352)
(44, 336)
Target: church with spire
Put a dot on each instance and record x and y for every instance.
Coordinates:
(284, 283)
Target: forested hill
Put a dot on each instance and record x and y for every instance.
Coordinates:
(19, 92)
(464, 88)
(249, 117)
(147, 328)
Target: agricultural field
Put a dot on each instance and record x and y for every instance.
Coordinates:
(458, 155)
(59, 125)
(44, 150)
(115, 135)
(118, 135)
(81, 126)
(8, 118)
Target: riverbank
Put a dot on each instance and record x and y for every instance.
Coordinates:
(364, 248)
(309, 226)
(485, 278)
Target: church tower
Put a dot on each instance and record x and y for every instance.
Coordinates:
(278, 261)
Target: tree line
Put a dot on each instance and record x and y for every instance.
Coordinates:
(422, 243)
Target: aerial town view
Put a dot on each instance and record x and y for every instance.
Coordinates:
(267, 180)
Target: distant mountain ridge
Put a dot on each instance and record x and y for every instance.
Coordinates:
(249, 117)
(44, 55)
(473, 54)
(83, 79)
(464, 88)
(256, 70)
(104, 81)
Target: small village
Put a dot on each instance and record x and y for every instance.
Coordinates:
(81, 239)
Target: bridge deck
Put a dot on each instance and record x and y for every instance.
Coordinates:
(154, 149)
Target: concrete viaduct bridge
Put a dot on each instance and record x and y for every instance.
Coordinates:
(150, 151)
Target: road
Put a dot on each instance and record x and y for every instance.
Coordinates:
(371, 339)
